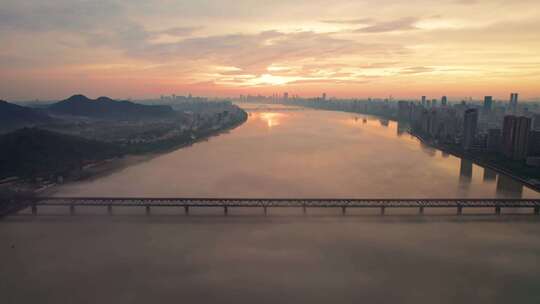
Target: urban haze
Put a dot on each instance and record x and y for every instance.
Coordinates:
(282, 152)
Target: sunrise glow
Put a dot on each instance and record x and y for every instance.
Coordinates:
(52, 49)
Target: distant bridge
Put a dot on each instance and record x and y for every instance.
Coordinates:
(264, 203)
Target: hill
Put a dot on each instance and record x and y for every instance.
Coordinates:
(13, 116)
(32, 152)
(107, 108)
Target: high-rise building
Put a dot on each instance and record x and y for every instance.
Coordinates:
(536, 123)
(488, 103)
(522, 138)
(493, 140)
(513, 102)
(423, 100)
(444, 101)
(534, 143)
(516, 136)
(404, 110)
(285, 96)
(470, 123)
(508, 131)
(432, 123)
(323, 96)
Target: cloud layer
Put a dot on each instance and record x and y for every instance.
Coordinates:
(146, 48)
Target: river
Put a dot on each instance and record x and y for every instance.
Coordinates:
(293, 152)
(286, 257)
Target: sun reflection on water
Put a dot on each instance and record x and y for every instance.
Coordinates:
(271, 119)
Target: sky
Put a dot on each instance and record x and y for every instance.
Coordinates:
(363, 48)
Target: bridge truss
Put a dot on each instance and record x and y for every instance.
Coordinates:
(265, 203)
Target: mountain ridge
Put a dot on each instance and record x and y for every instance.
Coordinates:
(108, 108)
(13, 116)
(31, 152)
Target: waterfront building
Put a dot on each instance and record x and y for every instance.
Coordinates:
(323, 96)
(424, 100)
(522, 137)
(516, 136)
(509, 124)
(534, 143)
(493, 140)
(450, 125)
(470, 123)
(433, 124)
(404, 110)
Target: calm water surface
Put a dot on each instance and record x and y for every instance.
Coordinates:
(284, 258)
(291, 152)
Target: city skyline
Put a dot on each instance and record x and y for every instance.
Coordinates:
(227, 48)
(241, 151)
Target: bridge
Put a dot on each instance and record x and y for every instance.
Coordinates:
(265, 203)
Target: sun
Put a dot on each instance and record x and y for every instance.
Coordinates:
(269, 79)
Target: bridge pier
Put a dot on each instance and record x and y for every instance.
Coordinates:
(459, 210)
(304, 209)
(265, 210)
(498, 210)
(537, 210)
(421, 210)
(72, 209)
(34, 209)
(226, 210)
(383, 210)
(109, 209)
(186, 210)
(147, 210)
(344, 210)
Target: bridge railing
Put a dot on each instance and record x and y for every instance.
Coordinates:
(265, 203)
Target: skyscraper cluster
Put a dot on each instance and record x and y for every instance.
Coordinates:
(502, 128)
(506, 131)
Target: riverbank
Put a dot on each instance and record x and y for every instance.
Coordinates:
(111, 166)
(479, 161)
(531, 183)
(131, 156)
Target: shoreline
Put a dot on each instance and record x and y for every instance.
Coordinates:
(455, 153)
(108, 167)
(477, 161)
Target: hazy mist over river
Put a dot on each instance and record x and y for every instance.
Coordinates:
(322, 257)
(293, 152)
